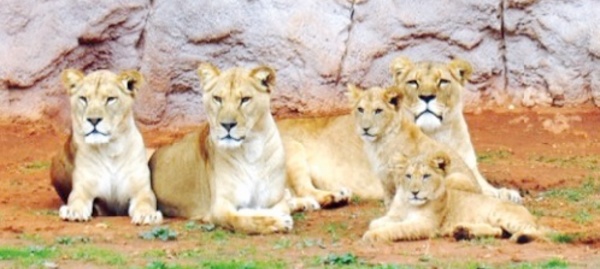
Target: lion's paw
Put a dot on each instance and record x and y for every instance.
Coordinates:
(147, 218)
(282, 223)
(343, 196)
(304, 204)
(75, 213)
(510, 195)
(373, 236)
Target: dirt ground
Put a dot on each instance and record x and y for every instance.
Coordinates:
(551, 155)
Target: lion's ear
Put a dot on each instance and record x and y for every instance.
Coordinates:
(399, 67)
(70, 78)
(265, 76)
(440, 160)
(206, 72)
(354, 92)
(461, 70)
(394, 95)
(132, 80)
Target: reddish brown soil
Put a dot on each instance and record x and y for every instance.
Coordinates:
(520, 151)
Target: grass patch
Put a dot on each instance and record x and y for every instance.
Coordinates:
(283, 243)
(27, 257)
(344, 259)
(490, 156)
(162, 233)
(35, 166)
(554, 263)
(589, 187)
(67, 240)
(582, 217)
(235, 264)
(96, 255)
(299, 216)
(563, 238)
(591, 162)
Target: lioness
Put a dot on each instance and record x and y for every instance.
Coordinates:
(232, 171)
(423, 207)
(433, 100)
(103, 163)
(386, 132)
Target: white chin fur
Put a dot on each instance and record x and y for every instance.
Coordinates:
(95, 139)
(229, 143)
(428, 122)
(416, 202)
(368, 138)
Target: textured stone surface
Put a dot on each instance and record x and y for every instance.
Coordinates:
(524, 52)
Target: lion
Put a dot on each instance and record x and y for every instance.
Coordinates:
(387, 132)
(424, 207)
(325, 160)
(433, 100)
(103, 164)
(232, 171)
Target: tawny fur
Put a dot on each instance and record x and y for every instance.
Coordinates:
(423, 207)
(232, 171)
(103, 164)
(325, 154)
(433, 100)
(387, 133)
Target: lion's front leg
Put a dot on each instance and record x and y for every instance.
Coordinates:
(142, 208)
(251, 221)
(79, 204)
(400, 231)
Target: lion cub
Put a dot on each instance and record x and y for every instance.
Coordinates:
(386, 132)
(103, 163)
(232, 171)
(424, 207)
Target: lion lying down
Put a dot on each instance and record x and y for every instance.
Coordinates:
(103, 163)
(423, 207)
(232, 172)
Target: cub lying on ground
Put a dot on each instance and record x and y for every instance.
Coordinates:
(387, 133)
(433, 100)
(232, 171)
(424, 207)
(103, 163)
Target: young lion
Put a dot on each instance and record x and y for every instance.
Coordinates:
(386, 132)
(434, 101)
(232, 171)
(424, 207)
(104, 159)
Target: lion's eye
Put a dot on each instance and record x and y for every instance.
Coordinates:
(426, 176)
(413, 83)
(83, 100)
(245, 100)
(379, 110)
(408, 176)
(111, 100)
(443, 82)
(360, 110)
(217, 99)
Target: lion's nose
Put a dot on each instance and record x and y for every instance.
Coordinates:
(94, 121)
(365, 130)
(228, 125)
(426, 98)
(414, 193)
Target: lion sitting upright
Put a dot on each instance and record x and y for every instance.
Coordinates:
(434, 101)
(103, 164)
(232, 171)
(423, 207)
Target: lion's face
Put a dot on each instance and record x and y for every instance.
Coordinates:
(432, 90)
(373, 110)
(420, 180)
(236, 101)
(101, 102)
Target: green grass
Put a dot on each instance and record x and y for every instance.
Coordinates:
(28, 256)
(162, 233)
(576, 194)
(35, 166)
(490, 156)
(97, 255)
(236, 264)
(554, 263)
(563, 238)
(591, 162)
(283, 243)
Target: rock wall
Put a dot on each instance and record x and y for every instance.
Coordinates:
(524, 52)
